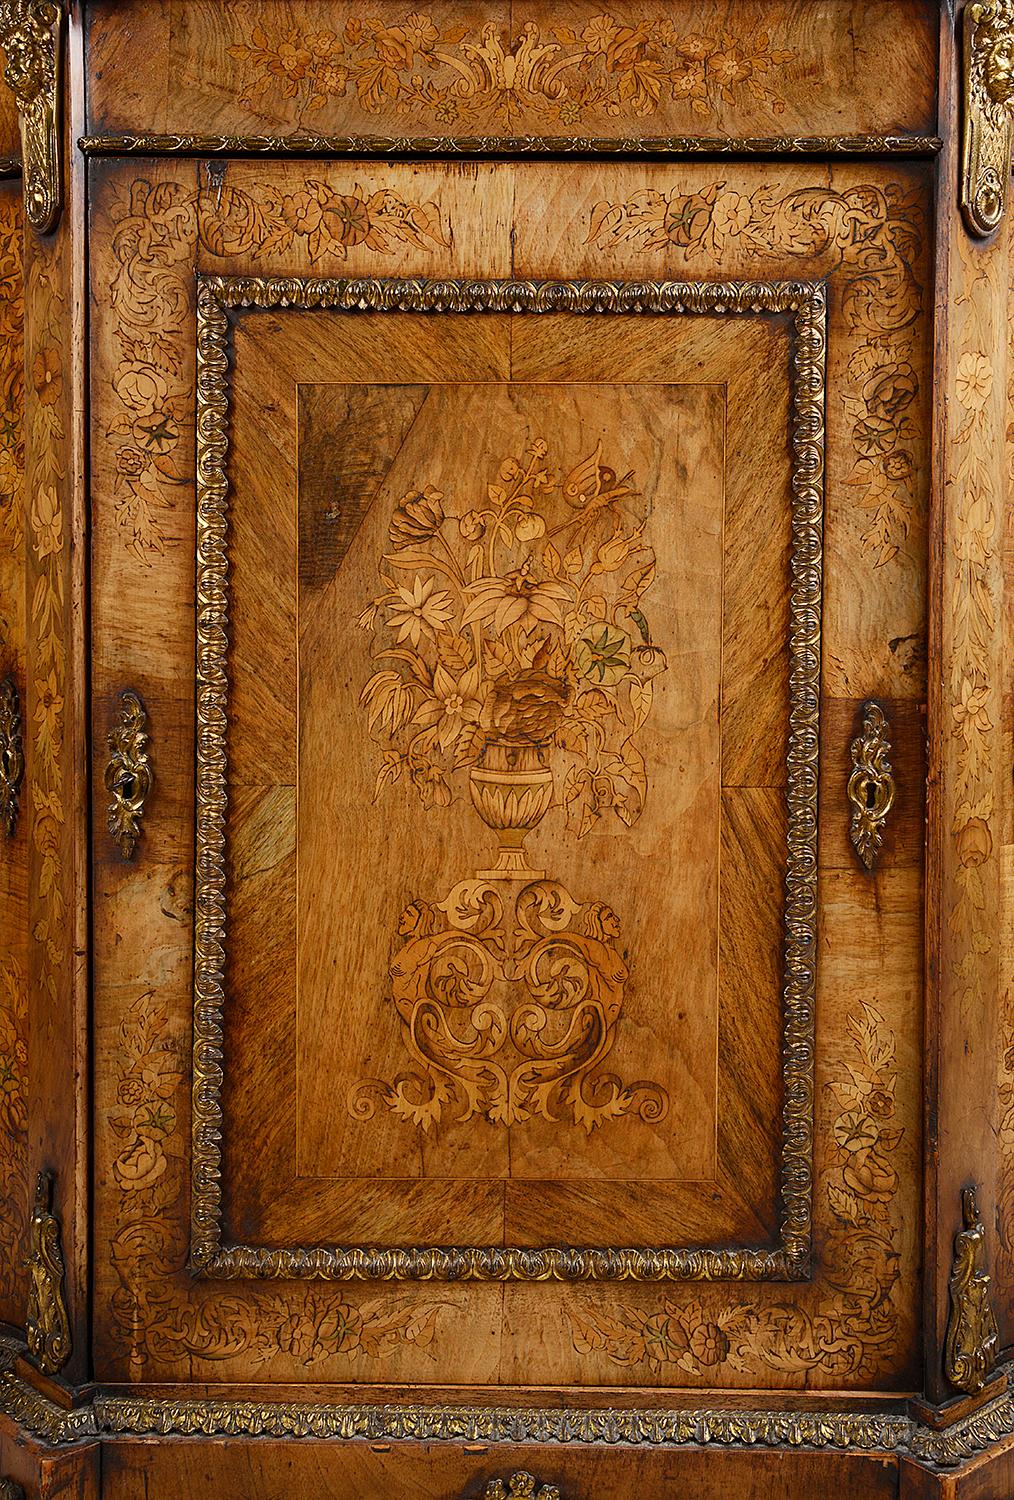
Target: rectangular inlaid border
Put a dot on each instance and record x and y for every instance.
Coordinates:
(807, 302)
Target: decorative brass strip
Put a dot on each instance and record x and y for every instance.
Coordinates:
(806, 301)
(871, 1431)
(128, 775)
(31, 35)
(972, 1343)
(12, 755)
(520, 1486)
(871, 786)
(46, 1324)
(357, 146)
(988, 79)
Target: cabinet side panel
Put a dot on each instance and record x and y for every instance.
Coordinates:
(13, 854)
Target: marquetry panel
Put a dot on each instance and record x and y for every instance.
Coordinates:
(507, 1105)
(494, 70)
(302, 389)
(13, 826)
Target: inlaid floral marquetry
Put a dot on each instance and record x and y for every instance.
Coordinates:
(548, 73)
(513, 646)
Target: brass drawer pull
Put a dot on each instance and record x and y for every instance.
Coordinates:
(128, 773)
(12, 755)
(871, 786)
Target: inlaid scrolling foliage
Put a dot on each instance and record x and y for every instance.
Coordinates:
(319, 222)
(47, 689)
(874, 234)
(152, 1317)
(12, 384)
(151, 296)
(547, 73)
(513, 648)
(154, 249)
(13, 1120)
(850, 1331)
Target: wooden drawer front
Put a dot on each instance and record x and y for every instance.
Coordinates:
(527, 613)
(568, 72)
(233, 1471)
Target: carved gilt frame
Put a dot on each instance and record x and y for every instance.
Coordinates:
(806, 302)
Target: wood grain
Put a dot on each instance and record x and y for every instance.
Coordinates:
(543, 70)
(408, 1471)
(14, 1206)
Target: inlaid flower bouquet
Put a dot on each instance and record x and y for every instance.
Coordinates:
(512, 644)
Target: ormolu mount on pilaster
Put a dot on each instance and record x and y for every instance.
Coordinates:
(46, 1324)
(31, 35)
(988, 77)
(970, 1351)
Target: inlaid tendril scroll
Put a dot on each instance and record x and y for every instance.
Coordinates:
(513, 648)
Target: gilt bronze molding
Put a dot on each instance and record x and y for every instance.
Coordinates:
(520, 1486)
(47, 1325)
(829, 1430)
(972, 1342)
(988, 84)
(31, 36)
(12, 756)
(789, 1258)
(128, 776)
(871, 785)
(527, 146)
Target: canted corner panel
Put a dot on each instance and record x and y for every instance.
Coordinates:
(510, 924)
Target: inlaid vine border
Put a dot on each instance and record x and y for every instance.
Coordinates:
(806, 301)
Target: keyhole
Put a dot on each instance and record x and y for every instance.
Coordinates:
(127, 788)
(871, 797)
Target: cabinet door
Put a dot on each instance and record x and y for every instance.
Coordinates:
(514, 979)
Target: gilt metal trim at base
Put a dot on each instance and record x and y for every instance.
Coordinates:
(46, 1325)
(31, 36)
(527, 146)
(988, 80)
(12, 756)
(871, 786)
(520, 1486)
(831, 1430)
(128, 775)
(805, 302)
(972, 1343)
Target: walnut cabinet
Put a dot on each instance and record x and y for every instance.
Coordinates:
(506, 805)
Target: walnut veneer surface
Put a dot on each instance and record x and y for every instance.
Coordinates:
(505, 741)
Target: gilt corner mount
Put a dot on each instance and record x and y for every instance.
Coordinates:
(31, 36)
(988, 84)
(220, 298)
